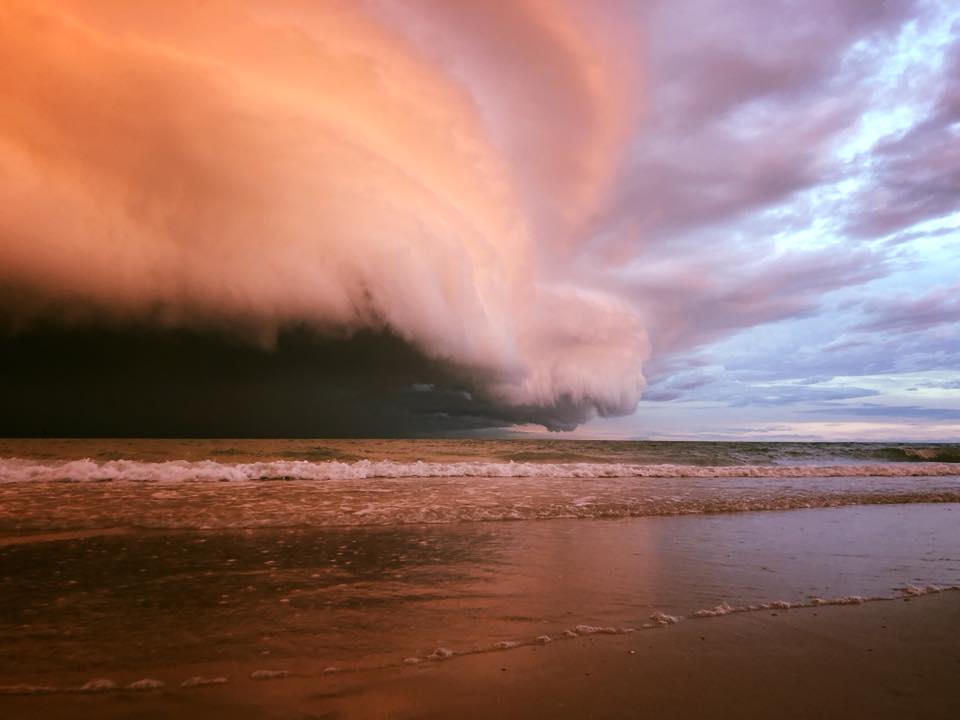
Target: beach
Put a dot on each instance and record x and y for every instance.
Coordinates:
(882, 660)
(165, 585)
(476, 359)
(891, 660)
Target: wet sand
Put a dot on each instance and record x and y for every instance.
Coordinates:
(885, 659)
(344, 622)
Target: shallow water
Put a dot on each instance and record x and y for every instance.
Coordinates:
(59, 485)
(305, 599)
(120, 558)
(38, 506)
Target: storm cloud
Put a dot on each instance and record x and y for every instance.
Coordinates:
(253, 167)
(418, 216)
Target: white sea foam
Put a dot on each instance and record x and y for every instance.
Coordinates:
(97, 685)
(595, 630)
(727, 609)
(845, 600)
(145, 684)
(774, 605)
(208, 494)
(659, 618)
(716, 611)
(24, 689)
(24, 470)
(914, 590)
(269, 674)
(200, 680)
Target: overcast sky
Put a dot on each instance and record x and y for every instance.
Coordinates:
(676, 219)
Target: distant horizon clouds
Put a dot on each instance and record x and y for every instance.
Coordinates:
(691, 219)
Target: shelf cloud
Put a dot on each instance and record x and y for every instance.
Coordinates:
(448, 215)
(256, 167)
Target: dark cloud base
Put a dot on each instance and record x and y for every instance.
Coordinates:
(107, 381)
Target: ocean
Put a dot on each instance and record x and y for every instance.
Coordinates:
(169, 560)
(208, 484)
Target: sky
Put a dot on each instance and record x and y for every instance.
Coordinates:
(649, 219)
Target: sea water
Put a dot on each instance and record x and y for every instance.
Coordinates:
(128, 558)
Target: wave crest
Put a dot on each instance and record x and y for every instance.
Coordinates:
(22, 470)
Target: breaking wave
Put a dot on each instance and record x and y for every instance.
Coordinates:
(21, 470)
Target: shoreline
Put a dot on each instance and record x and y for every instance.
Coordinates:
(787, 614)
(896, 658)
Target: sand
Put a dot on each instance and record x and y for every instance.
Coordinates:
(893, 659)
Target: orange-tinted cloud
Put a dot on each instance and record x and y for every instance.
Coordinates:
(428, 166)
